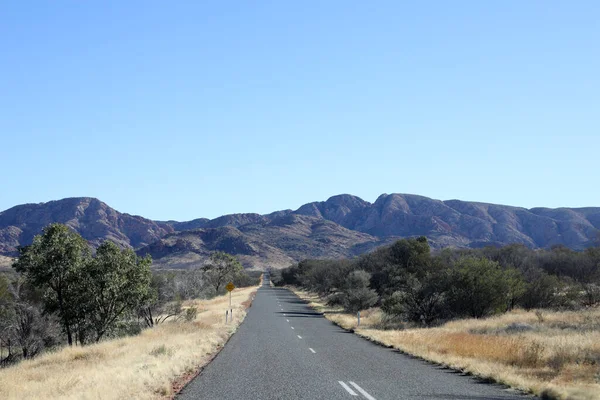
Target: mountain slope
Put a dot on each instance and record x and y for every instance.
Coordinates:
(460, 223)
(278, 243)
(342, 226)
(93, 219)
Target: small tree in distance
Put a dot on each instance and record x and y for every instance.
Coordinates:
(221, 269)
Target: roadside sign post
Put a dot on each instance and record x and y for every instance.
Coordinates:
(230, 286)
(358, 316)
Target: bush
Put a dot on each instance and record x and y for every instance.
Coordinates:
(356, 294)
(478, 287)
(541, 291)
(360, 299)
(422, 301)
(190, 314)
(336, 299)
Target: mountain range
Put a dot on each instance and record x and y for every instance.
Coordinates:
(342, 226)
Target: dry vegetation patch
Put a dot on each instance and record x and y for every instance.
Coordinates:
(6, 262)
(146, 366)
(548, 353)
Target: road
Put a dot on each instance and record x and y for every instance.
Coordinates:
(285, 350)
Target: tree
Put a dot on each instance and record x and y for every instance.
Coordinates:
(478, 287)
(420, 300)
(21, 322)
(356, 294)
(115, 282)
(541, 290)
(222, 268)
(162, 303)
(53, 262)
(391, 266)
(516, 287)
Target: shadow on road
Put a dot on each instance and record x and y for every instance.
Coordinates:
(300, 314)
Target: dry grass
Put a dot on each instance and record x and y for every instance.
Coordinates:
(138, 367)
(6, 262)
(554, 354)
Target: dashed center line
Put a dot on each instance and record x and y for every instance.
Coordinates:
(292, 327)
(299, 337)
(362, 391)
(352, 392)
(287, 320)
(311, 349)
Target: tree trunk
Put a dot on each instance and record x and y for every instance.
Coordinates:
(69, 334)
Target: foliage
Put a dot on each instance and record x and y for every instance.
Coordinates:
(221, 269)
(423, 301)
(478, 287)
(22, 325)
(53, 262)
(59, 283)
(115, 282)
(356, 293)
(418, 285)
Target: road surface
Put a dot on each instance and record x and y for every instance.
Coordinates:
(285, 350)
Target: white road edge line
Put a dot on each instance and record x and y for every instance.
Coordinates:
(352, 392)
(362, 391)
(311, 349)
(299, 337)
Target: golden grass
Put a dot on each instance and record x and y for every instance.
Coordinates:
(554, 354)
(137, 367)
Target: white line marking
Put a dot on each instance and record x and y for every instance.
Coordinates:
(352, 392)
(292, 327)
(311, 349)
(362, 391)
(299, 337)
(287, 320)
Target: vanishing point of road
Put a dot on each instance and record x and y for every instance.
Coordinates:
(284, 350)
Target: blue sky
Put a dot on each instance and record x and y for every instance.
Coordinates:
(177, 110)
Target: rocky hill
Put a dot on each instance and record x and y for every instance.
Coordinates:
(342, 226)
(278, 241)
(460, 223)
(93, 219)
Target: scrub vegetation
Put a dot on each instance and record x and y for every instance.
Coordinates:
(526, 318)
(151, 365)
(60, 293)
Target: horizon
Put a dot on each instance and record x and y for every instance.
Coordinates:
(188, 110)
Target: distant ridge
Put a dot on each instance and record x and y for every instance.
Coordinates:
(92, 218)
(342, 226)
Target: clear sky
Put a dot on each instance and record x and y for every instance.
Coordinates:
(179, 110)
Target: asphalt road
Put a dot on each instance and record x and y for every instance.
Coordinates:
(285, 350)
